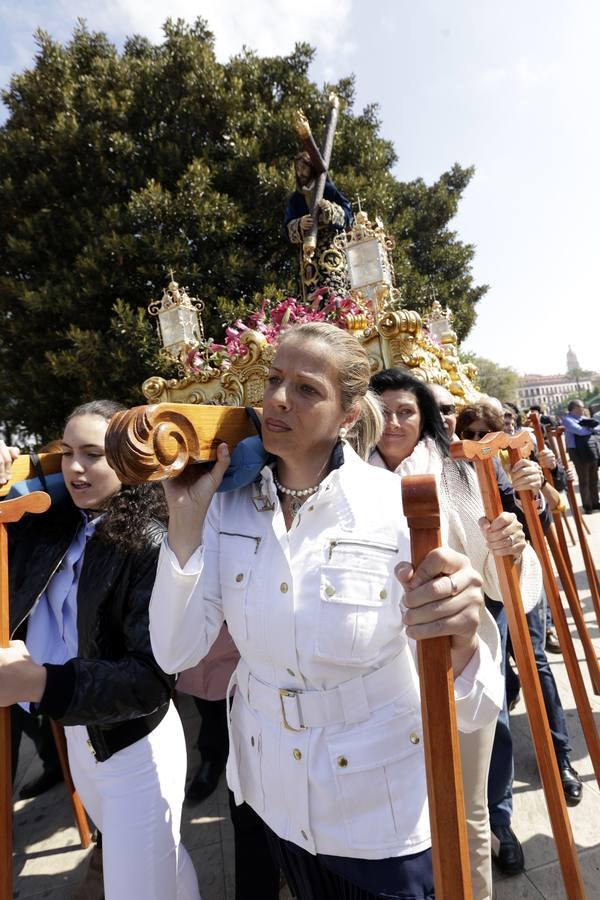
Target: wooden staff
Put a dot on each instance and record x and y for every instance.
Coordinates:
(81, 821)
(549, 476)
(481, 452)
(449, 847)
(518, 447)
(10, 511)
(559, 450)
(570, 590)
(568, 527)
(560, 554)
(151, 443)
(590, 569)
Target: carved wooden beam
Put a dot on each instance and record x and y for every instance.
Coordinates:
(152, 443)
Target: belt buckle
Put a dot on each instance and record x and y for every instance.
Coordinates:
(284, 693)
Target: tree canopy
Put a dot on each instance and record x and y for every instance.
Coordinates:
(497, 381)
(116, 166)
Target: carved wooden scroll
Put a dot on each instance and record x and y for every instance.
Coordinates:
(481, 453)
(152, 443)
(442, 753)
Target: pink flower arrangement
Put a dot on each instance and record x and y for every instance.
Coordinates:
(273, 317)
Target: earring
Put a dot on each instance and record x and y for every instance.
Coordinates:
(343, 433)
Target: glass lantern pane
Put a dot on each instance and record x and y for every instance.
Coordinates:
(178, 325)
(365, 263)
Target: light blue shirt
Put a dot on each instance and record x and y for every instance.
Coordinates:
(52, 628)
(572, 428)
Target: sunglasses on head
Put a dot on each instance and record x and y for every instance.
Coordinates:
(447, 409)
(470, 435)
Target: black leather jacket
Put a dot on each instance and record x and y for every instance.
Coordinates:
(114, 686)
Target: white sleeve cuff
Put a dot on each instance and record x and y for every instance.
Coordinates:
(194, 564)
(479, 689)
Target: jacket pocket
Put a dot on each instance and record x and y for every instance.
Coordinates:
(246, 735)
(237, 559)
(379, 774)
(354, 602)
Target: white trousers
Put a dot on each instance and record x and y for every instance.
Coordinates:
(135, 799)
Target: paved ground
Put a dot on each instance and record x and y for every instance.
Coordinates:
(49, 863)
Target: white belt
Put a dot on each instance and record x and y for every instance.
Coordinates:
(349, 702)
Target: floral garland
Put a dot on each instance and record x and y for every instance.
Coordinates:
(274, 317)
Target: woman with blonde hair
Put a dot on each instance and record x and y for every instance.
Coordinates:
(308, 567)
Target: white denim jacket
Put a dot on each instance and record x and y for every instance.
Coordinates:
(317, 609)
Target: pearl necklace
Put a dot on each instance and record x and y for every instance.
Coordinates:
(297, 497)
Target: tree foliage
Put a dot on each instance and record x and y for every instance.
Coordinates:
(116, 167)
(497, 381)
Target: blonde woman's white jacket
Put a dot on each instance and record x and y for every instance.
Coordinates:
(325, 731)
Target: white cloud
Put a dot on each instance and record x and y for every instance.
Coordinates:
(522, 72)
(267, 26)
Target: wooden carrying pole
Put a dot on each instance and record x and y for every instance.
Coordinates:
(442, 755)
(590, 569)
(81, 821)
(568, 584)
(10, 511)
(518, 447)
(568, 527)
(481, 452)
(560, 554)
(560, 452)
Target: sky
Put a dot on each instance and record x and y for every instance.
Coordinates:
(511, 88)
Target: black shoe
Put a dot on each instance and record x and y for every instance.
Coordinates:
(506, 850)
(552, 645)
(571, 782)
(514, 701)
(42, 783)
(588, 510)
(204, 781)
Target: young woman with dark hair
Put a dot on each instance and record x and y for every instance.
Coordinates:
(80, 581)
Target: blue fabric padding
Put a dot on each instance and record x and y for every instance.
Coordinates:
(55, 485)
(247, 461)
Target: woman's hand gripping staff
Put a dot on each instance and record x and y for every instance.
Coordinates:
(443, 597)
